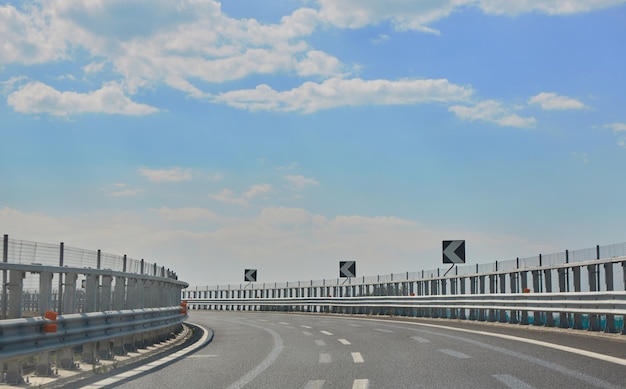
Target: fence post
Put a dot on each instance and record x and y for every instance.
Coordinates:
(44, 367)
(60, 294)
(563, 317)
(592, 270)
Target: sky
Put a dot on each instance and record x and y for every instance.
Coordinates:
(286, 136)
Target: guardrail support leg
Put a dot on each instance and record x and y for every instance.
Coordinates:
(481, 312)
(563, 320)
(524, 284)
(14, 373)
(65, 357)
(547, 275)
(15, 288)
(593, 287)
(513, 284)
(536, 288)
(608, 275)
(492, 290)
(578, 319)
(44, 367)
(503, 291)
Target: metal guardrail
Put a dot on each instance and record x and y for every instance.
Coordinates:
(552, 291)
(92, 314)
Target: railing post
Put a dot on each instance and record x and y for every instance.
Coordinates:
(65, 357)
(578, 321)
(463, 280)
(536, 288)
(592, 270)
(16, 284)
(608, 275)
(524, 285)
(563, 316)
(547, 275)
(503, 291)
(513, 287)
(44, 367)
(481, 312)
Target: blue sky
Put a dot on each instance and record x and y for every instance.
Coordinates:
(289, 135)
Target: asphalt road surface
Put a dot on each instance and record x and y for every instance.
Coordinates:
(272, 350)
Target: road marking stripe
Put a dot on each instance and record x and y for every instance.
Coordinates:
(316, 384)
(420, 339)
(325, 358)
(204, 339)
(282, 322)
(326, 332)
(512, 382)
(320, 342)
(383, 330)
(307, 327)
(453, 353)
(344, 342)
(585, 353)
(357, 357)
(203, 356)
(361, 384)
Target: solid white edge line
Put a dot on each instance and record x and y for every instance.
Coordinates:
(152, 365)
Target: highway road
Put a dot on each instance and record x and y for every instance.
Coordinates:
(272, 350)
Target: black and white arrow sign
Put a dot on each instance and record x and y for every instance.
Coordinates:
(250, 275)
(453, 251)
(347, 269)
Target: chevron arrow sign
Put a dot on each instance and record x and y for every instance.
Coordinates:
(347, 269)
(453, 251)
(250, 275)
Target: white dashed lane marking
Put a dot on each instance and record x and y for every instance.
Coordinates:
(512, 382)
(326, 333)
(357, 357)
(315, 384)
(361, 384)
(419, 339)
(325, 358)
(344, 342)
(453, 353)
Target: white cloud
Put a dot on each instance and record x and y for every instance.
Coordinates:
(337, 92)
(9, 85)
(418, 15)
(185, 214)
(298, 183)
(552, 101)
(36, 97)
(174, 174)
(93, 67)
(257, 190)
(553, 7)
(227, 196)
(493, 112)
(616, 127)
(126, 193)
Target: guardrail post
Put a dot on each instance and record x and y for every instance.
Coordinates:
(547, 275)
(592, 270)
(513, 287)
(563, 316)
(16, 284)
(492, 290)
(608, 275)
(503, 291)
(578, 319)
(524, 285)
(536, 288)
(473, 311)
(65, 357)
(91, 299)
(481, 312)
(462, 281)
(44, 367)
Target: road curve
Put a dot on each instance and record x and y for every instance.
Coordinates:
(271, 350)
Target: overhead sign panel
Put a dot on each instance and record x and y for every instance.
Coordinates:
(347, 269)
(453, 251)
(250, 275)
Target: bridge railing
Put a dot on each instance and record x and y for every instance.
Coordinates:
(581, 289)
(61, 306)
